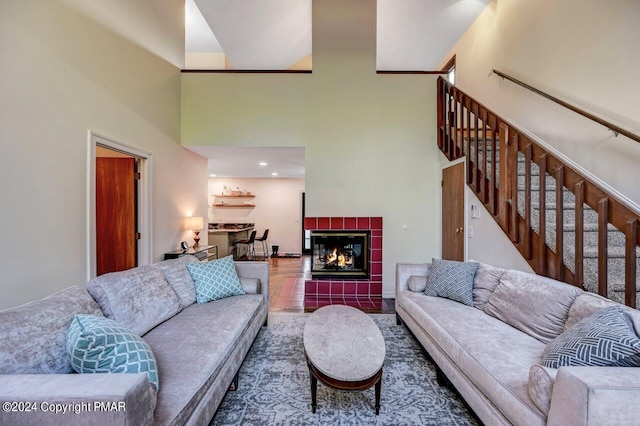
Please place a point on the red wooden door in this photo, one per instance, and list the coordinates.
(116, 242)
(453, 212)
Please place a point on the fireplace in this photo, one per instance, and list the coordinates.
(340, 254)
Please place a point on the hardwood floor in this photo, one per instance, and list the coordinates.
(286, 287)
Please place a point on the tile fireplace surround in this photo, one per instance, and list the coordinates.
(358, 293)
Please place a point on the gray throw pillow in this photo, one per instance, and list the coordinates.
(33, 336)
(452, 280)
(604, 339)
(138, 298)
(417, 283)
(176, 273)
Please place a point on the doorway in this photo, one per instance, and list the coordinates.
(453, 212)
(119, 207)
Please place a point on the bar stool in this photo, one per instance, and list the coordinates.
(263, 240)
(251, 253)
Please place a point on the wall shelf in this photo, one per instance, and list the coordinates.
(219, 205)
(236, 205)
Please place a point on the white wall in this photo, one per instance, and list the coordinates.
(370, 140)
(584, 52)
(278, 207)
(63, 73)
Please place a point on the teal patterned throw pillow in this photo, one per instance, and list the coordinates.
(215, 280)
(452, 280)
(101, 345)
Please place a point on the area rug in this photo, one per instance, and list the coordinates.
(274, 385)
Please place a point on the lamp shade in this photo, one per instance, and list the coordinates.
(195, 223)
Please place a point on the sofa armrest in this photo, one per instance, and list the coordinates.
(405, 270)
(76, 399)
(259, 270)
(595, 396)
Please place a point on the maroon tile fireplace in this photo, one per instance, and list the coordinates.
(358, 285)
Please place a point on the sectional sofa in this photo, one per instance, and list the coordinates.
(198, 348)
(499, 348)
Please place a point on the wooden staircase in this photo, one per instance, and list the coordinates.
(566, 226)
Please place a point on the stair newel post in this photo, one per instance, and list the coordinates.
(527, 202)
(441, 101)
(603, 246)
(448, 119)
(559, 222)
(542, 214)
(513, 192)
(630, 263)
(579, 231)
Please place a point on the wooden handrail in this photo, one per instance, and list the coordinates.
(615, 129)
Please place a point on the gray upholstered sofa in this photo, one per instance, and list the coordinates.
(198, 348)
(491, 352)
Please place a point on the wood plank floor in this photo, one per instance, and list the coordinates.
(286, 287)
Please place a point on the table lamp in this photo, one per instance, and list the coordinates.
(195, 223)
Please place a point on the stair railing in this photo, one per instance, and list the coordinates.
(500, 162)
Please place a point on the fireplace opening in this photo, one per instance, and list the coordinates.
(340, 254)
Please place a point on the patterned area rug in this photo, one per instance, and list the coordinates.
(274, 385)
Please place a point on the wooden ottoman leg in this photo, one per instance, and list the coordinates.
(314, 388)
(378, 392)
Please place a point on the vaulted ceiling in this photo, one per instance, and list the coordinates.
(277, 34)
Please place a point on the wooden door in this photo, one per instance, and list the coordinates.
(116, 241)
(453, 212)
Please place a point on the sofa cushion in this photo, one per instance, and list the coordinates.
(587, 304)
(541, 381)
(485, 282)
(250, 285)
(215, 280)
(417, 283)
(604, 339)
(492, 355)
(451, 280)
(97, 344)
(33, 336)
(176, 273)
(139, 298)
(537, 305)
(200, 355)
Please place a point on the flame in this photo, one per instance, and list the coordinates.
(335, 256)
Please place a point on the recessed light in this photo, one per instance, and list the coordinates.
(262, 163)
(212, 175)
(274, 174)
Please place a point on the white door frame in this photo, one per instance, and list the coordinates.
(145, 213)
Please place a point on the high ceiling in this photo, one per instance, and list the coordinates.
(276, 35)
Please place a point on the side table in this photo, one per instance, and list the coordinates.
(203, 253)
